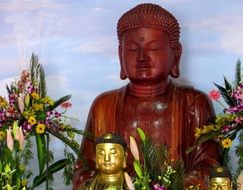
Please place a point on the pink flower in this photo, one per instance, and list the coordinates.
(66, 105)
(214, 94)
(10, 141)
(158, 187)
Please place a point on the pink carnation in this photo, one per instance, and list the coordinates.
(214, 94)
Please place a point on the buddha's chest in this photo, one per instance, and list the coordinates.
(149, 115)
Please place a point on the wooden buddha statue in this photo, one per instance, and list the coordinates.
(150, 51)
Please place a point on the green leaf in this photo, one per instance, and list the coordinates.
(225, 95)
(41, 151)
(137, 168)
(227, 85)
(238, 73)
(141, 134)
(202, 139)
(15, 129)
(55, 167)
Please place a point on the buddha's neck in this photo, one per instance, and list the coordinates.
(111, 178)
(152, 90)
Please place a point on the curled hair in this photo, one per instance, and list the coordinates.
(149, 15)
(112, 138)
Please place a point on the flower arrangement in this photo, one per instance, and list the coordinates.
(156, 169)
(228, 125)
(28, 114)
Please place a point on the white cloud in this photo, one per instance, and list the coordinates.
(3, 84)
(228, 30)
(28, 5)
(57, 86)
(103, 44)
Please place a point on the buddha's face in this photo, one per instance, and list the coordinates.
(110, 158)
(220, 183)
(146, 55)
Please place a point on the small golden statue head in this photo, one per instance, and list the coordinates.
(110, 153)
(220, 179)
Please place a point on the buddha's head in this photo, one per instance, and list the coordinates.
(110, 153)
(149, 47)
(220, 179)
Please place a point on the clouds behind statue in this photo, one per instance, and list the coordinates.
(149, 52)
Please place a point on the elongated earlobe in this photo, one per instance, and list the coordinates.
(123, 76)
(175, 72)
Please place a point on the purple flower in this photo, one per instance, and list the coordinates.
(226, 128)
(158, 187)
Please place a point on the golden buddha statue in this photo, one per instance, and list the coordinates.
(110, 159)
(149, 52)
(220, 179)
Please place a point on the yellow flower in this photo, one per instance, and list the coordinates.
(35, 95)
(207, 128)
(40, 128)
(32, 120)
(226, 143)
(48, 100)
(29, 113)
(198, 132)
(24, 182)
(3, 102)
(2, 135)
(51, 102)
(38, 107)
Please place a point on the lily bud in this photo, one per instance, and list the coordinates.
(21, 104)
(20, 138)
(134, 148)
(10, 141)
(27, 100)
(129, 181)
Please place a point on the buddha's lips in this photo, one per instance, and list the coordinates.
(144, 68)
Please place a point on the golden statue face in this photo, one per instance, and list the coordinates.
(220, 183)
(110, 158)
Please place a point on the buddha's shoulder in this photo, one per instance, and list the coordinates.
(109, 96)
(189, 91)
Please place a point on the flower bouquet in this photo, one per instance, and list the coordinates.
(28, 116)
(228, 125)
(156, 169)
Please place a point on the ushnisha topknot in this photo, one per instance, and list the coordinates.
(112, 138)
(149, 15)
(220, 172)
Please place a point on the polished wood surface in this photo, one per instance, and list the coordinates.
(167, 112)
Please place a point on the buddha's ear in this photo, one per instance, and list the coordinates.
(175, 71)
(125, 160)
(123, 76)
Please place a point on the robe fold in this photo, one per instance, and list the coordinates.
(187, 108)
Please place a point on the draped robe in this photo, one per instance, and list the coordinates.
(187, 108)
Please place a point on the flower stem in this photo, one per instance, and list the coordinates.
(47, 160)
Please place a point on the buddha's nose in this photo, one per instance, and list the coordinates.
(107, 157)
(142, 56)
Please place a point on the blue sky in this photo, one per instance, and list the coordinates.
(77, 44)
